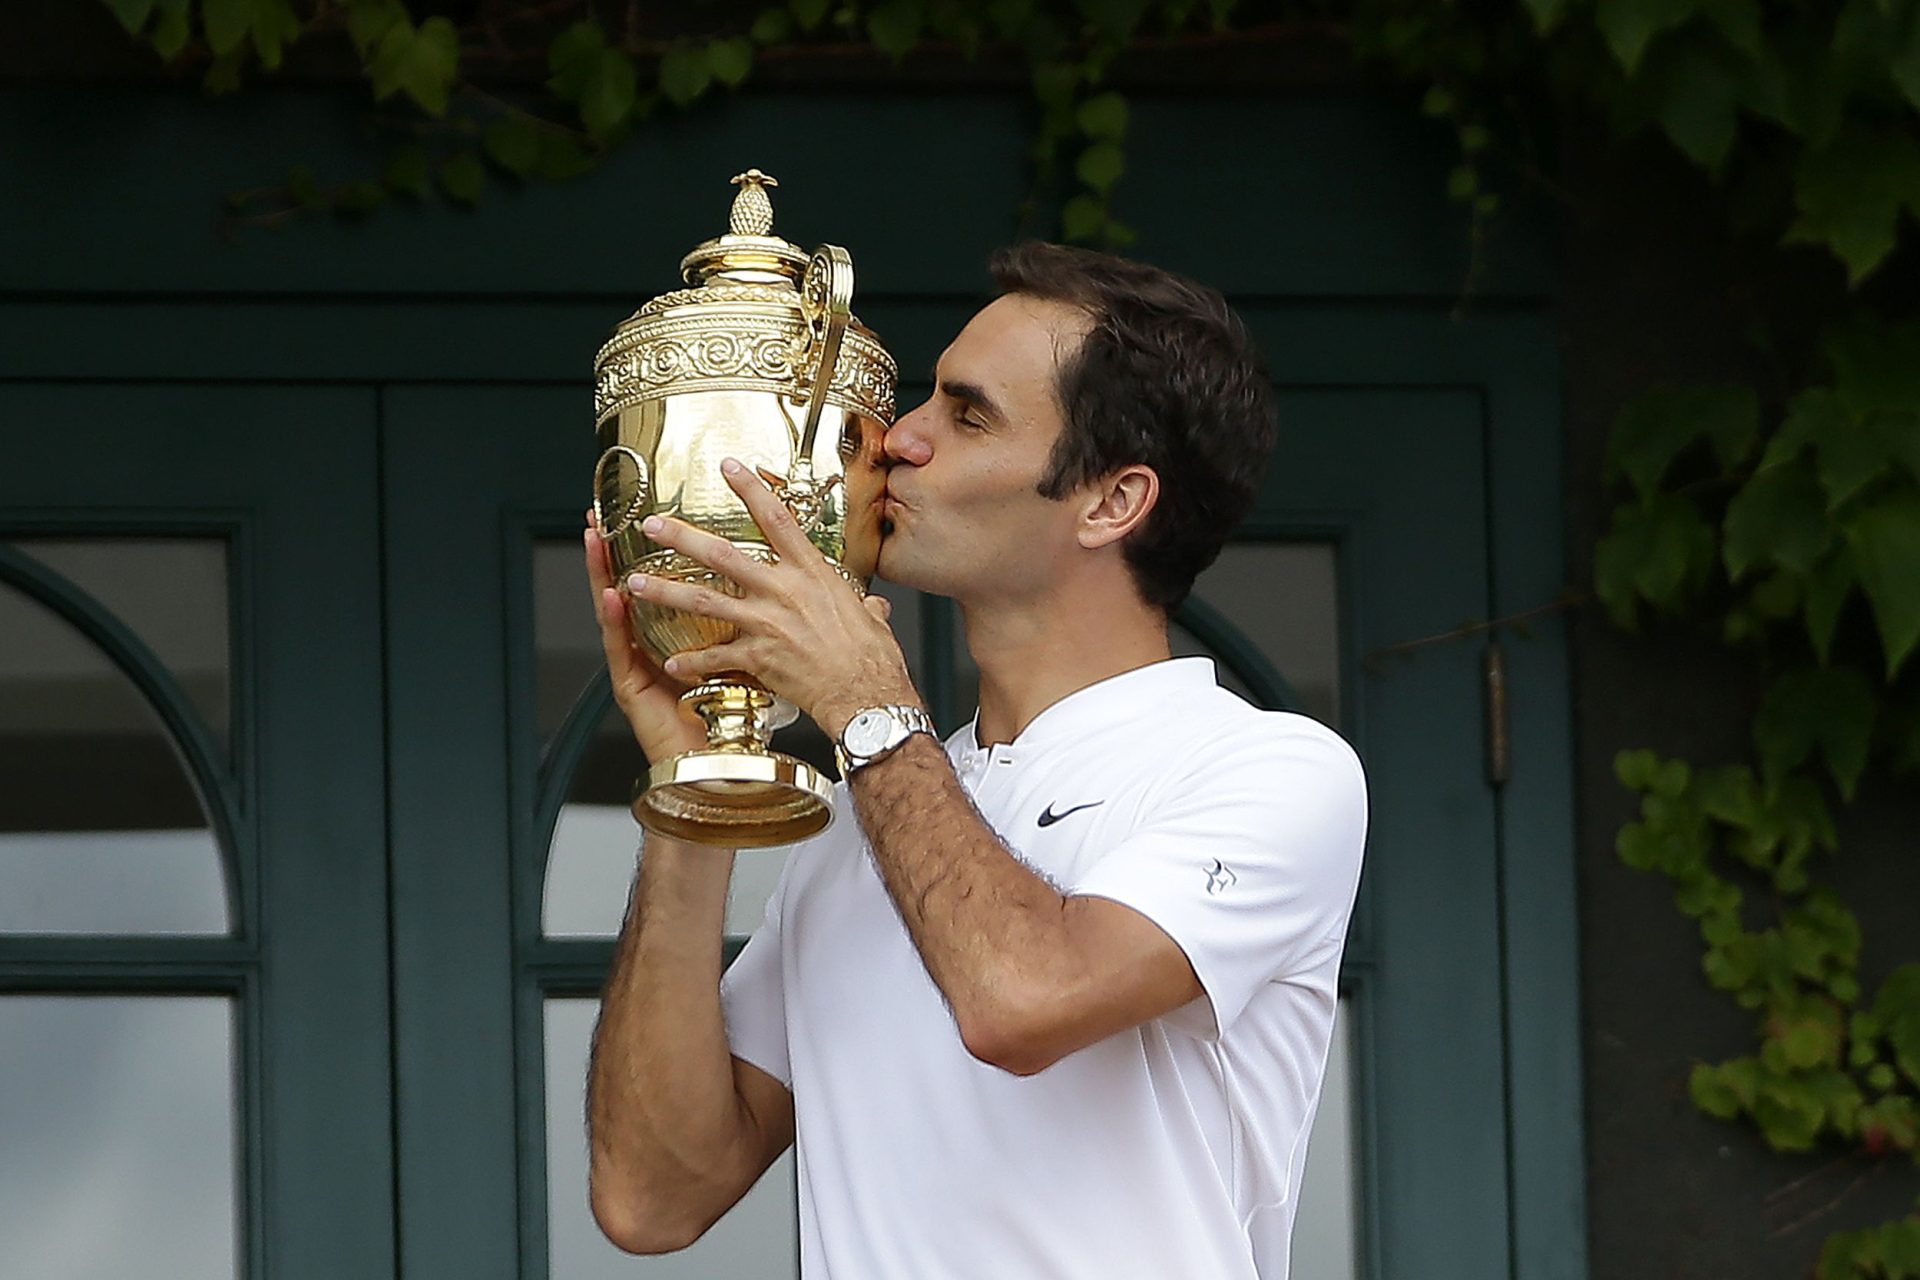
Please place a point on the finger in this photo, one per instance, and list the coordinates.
(688, 597)
(616, 642)
(708, 549)
(599, 568)
(698, 664)
(775, 518)
(880, 607)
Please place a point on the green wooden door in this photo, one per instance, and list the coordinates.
(277, 484)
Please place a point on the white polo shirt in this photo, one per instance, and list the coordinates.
(1172, 1151)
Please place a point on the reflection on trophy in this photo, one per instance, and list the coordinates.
(760, 358)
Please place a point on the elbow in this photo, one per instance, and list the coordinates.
(635, 1223)
(1016, 1042)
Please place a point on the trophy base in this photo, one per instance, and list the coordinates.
(735, 799)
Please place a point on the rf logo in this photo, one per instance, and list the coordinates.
(1220, 877)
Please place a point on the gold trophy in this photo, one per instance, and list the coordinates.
(760, 358)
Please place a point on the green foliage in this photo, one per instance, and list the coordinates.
(1772, 529)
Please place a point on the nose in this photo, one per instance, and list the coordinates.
(907, 441)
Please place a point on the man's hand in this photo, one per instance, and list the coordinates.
(648, 697)
(804, 632)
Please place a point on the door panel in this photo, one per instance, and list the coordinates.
(285, 477)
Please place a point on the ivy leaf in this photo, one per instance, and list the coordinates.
(1629, 25)
(1719, 1094)
(573, 56)
(173, 30)
(1104, 117)
(368, 20)
(1546, 14)
(226, 23)
(275, 27)
(1054, 84)
(1738, 21)
(1101, 165)
(1658, 551)
(730, 60)
(606, 99)
(406, 171)
(229, 23)
(1885, 539)
(1831, 708)
(773, 26)
(894, 27)
(684, 74)
(421, 62)
(1850, 193)
(513, 143)
(1827, 590)
(1876, 375)
(1896, 1009)
(133, 14)
(1082, 218)
(1009, 18)
(1699, 104)
(461, 177)
(1779, 518)
(1813, 1040)
(809, 13)
(1656, 426)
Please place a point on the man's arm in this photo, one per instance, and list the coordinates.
(1031, 974)
(679, 1129)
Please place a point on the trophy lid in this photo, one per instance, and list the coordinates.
(749, 252)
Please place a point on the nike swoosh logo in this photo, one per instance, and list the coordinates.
(1049, 817)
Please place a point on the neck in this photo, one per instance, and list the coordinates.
(1033, 653)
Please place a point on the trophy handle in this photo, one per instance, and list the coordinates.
(826, 299)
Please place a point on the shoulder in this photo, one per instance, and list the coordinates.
(1236, 738)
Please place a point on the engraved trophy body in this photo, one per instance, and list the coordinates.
(760, 358)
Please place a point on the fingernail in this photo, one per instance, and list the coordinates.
(730, 466)
(673, 666)
(636, 582)
(652, 525)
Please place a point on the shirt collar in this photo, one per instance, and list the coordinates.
(1101, 704)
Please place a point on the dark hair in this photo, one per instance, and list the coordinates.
(1166, 376)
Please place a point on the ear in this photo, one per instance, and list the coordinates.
(1116, 505)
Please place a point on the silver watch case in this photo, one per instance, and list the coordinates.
(875, 732)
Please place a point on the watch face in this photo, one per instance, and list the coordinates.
(867, 732)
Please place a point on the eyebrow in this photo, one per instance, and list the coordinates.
(973, 394)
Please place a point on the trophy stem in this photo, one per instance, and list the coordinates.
(738, 714)
(736, 793)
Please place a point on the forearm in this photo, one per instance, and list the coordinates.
(669, 1133)
(995, 937)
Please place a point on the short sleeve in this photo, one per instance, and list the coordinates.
(1249, 860)
(753, 999)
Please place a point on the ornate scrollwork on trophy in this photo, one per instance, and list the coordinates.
(754, 354)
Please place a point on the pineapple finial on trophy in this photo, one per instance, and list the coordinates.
(752, 213)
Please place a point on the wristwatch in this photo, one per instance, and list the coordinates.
(875, 732)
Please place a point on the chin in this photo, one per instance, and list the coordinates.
(897, 565)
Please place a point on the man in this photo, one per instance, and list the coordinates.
(1054, 1000)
